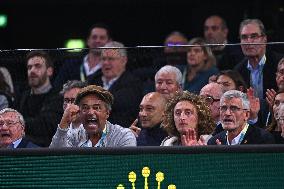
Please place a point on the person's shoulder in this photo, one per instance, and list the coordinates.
(220, 136)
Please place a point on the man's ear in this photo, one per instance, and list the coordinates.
(49, 71)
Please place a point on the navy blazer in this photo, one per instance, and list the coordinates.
(26, 143)
(254, 135)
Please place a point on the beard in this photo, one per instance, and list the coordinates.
(37, 81)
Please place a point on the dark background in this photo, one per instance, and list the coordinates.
(48, 24)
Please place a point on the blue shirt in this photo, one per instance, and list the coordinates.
(256, 77)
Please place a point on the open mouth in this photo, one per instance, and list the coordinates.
(5, 135)
(228, 121)
(92, 121)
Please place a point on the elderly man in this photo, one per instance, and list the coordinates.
(260, 65)
(234, 113)
(151, 114)
(70, 124)
(41, 105)
(125, 87)
(168, 81)
(12, 130)
(212, 93)
(94, 107)
(216, 32)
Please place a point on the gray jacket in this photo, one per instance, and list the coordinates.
(116, 136)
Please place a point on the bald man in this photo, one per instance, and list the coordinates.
(151, 112)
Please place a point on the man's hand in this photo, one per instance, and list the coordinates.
(254, 103)
(136, 130)
(270, 95)
(70, 114)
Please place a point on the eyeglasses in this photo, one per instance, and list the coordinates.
(69, 100)
(280, 72)
(109, 59)
(232, 109)
(8, 123)
(252, 36)
(209, 99)
(278, 102)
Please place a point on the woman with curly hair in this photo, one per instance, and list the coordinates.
(187, 120)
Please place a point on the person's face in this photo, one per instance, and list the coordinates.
(213, 101)
(196, 56)
(185, 116)
(113, 64)
(232, 115)
(280, 77)
(10, 128)
(38, 73)
(213, 31)
(69, 96)
(151, 111)
(166, 84)
(97, 38)
(226, 83)
(93, 113)
(251, 33)
(175, 40)
(278, 100)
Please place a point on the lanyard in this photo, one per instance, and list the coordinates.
(242, 134)
(82, 73)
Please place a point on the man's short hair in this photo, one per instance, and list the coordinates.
(120, 47)
(236, 94)
(100, 25)
(253, 21)
(223, 21)
(43, 54)
(100, 92)
(20, 116)
(71, 84)
(170, 69)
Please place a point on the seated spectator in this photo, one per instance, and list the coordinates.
(231, 80)
(276, 127)
(41, 105)
(216, 32)
(212, 94)
(200, 66)
(125, 87)
(94, 107)
(70, 123)
(99, 35)
(149, 132)
(12, 130)
(234, 114)
(187, 120)
(168, 81)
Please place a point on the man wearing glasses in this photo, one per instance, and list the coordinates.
(12, 130)
(234, 113)
(260, 64)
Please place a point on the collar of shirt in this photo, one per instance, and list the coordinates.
(42, 90)
(100, 143)
(238, 139)
(259, 66)
(108, 84)
(16, 143)
(89, 70)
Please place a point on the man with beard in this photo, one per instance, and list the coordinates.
(234, 113)
(99, 35)
(94, 107)
(41, 105)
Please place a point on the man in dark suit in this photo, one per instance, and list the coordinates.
(12, 130)
(234, 113)
(125, 87)
(260, 64)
